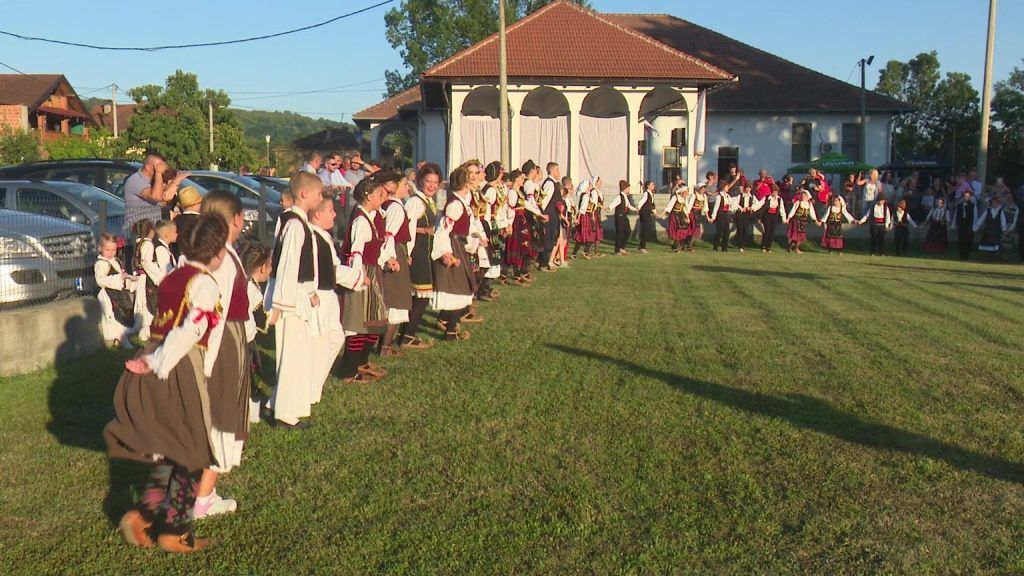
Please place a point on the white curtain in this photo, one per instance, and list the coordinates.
(604, 151)
(544, 140)
(481, 139)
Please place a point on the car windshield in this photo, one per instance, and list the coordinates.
(272, 194)
(93, 196)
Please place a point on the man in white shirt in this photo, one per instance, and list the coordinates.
(313, 162)
(335, 183)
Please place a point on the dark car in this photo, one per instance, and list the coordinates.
(279, 184)
(110, 175)
(78, 203)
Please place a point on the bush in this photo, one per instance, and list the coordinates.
(18, 146)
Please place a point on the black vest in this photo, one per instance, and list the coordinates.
(306, 273)
(965, 215)
(327, 277)
(556, 196)
(620, 210)
(648, 208)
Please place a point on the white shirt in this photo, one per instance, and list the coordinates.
(452, 213)
(201, 297)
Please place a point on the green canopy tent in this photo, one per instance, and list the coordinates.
(832, 163)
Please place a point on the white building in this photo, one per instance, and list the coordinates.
(617, 95)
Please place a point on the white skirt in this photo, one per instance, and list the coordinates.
(446, 301)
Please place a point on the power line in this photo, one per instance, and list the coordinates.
(311, 91)
(197, 45)
(32, 76)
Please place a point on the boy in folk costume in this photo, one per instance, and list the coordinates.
(936, 238)
(116, 301)
(227, 364)
(550, 197)
(881, 221)
(834, 217)
(586, 226)
(287, 213)
(678, 213)
(771, 209)
(364, 313)
(160, 404)
(294, 303)
(454, 283)
(744, 215)
(902, 223)
(621, 206)
(397, 281)
(800, 213)
(645, 208)
(256, 262)
(329, 337)
(721, 215)
(964, 218)
(422, 214)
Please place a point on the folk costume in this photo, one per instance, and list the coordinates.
(455, 285)
(621, 206)
(880, 218)
(586, 228)
(422, 213)
(963, 223)
(721, 215)
(364, 313)
(991, 223)
(521, 246)
(770, 210)
(397, 284)
(117, 304)
(800, 214)
(699, 208)
(834, 217)
(551, 199)
(328, 338)
(936, 238)
(902, 223)
(645, 209)
(153, 261)
(744, 217)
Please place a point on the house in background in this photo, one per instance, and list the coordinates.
(45, 104)
(618, 96)
(103, 116)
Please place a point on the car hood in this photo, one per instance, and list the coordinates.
(35, 225)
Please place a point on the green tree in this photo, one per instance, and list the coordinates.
(426, 32)
(1008, 123)
(173, 119)
(100, 144)
(18, 146)
(913, 82)
(953, 120)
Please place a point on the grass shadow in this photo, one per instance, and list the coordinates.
(1015, 289)
(813, 414)
(749, 272)
(977, 273)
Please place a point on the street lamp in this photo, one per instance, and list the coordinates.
(267, 137)
(864, 63)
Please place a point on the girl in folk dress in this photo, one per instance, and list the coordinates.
(115, 298)
(364, 313)
(799, 215)
(678, 213)
(698, 202)
(454, 283)
(153, 260)
(422, 213)
(397, 280)
(161, 402)
(937, 222)
(520, 246)
(586, 231)
(834, 218)
(992, 224)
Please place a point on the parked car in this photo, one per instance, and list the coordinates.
(279, 184)
(42, 258)
(78, 203)
(246, 188)
(110, 175)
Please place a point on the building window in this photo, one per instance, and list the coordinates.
(801, 142)
(727, 156)
(670, 157)
(851, 141)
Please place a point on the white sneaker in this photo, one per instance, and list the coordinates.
(254, 412)
(213, 505)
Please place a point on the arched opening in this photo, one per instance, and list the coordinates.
(395, 143)
(544, 128)
(604, 138)
(480, 127)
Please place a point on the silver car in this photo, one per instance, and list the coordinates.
(79, 203)
(42, 258)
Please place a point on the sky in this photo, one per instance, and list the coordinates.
(342, 64)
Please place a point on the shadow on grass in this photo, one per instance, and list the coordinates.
(81, 403)
(809, 413)
(748, 272)
(977, 273)
(1015, 289)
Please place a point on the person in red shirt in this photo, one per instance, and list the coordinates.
(763, 185)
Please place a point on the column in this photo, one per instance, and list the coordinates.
(636, 133)
(516, 97)
(375, 141)
(455, 129)
(575, 100)
(690, 98)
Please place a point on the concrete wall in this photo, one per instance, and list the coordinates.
(37, 336)
(432, 140)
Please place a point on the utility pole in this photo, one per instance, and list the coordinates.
(211, 130)
(864, 63)
(986, 96)
(113, 106)
(506, 143)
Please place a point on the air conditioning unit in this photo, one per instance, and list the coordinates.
(827, 147)
(107, 108)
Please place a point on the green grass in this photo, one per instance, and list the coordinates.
(701, 413)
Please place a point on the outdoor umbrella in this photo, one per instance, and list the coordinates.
(832, 163)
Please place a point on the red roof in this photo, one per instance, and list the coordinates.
(61, 112)
(565, 40)
(389, 108)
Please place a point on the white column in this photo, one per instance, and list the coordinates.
(690, 98)
(375, 141)
(515, 103)
(455, 129)
(575, 100)
(636, 133)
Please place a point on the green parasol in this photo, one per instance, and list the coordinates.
(832, 163)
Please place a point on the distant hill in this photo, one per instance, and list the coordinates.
(283, 127)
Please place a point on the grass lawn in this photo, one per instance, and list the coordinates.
(668, 413)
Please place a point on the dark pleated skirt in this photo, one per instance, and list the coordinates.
(228, 385)
(364, 312)
(459, 279)
(398, 285)
(421, 273)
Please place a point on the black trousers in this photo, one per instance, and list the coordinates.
(419, 307)
(721, 233)
(621, 232)
(902, 240)
(965, 237)
(551, 230)
(877, 239)
(743, 228)
(646, 228)
(767, 238)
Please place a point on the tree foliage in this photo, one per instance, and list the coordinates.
(1008, 116)
(283, 127)
(173, 119)
(100, 144)
(946, 119)
(426, 32)
(17, 146)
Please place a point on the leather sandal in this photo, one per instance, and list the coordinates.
(183, 543)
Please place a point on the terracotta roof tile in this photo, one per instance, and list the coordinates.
(27, 89)
(565, 40)
(767, 83)
(389, 108)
